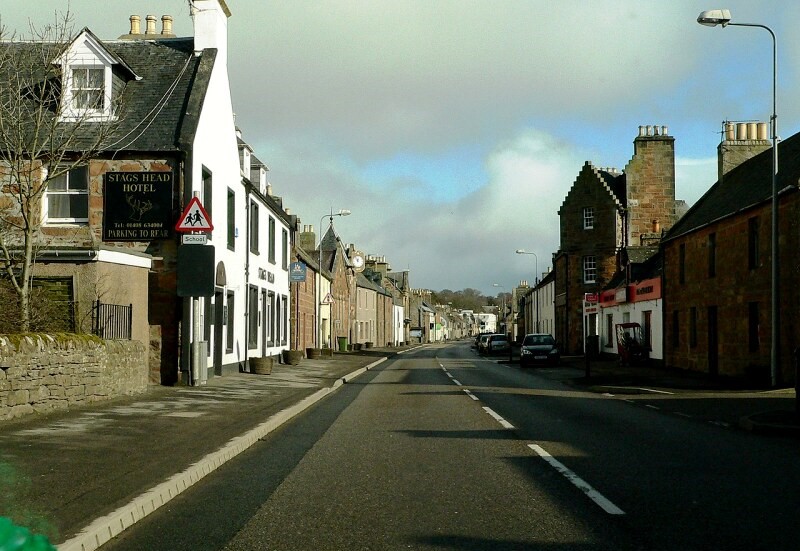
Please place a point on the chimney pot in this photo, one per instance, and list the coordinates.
(166, 24)
(151, 25)
(741, 131)
(730, 131)
(135, 24)
(762, 131)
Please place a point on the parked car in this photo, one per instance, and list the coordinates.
(481, 342)
(478, 338)
(497, 344)
(539, 348)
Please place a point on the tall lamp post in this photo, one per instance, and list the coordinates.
(342, 212)
(712, 18)
(535, 282)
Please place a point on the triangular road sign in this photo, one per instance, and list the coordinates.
(194, 218)
(328, 299)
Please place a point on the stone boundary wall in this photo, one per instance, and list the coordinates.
(41, 373)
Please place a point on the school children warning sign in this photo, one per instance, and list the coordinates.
(194, 218)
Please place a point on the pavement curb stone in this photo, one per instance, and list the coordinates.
(109, 526)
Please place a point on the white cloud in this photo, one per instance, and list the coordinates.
(335, 94)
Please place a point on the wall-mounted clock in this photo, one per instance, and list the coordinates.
(358, 261)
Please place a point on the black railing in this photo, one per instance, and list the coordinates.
(112, 321)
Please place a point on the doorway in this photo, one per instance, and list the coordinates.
(218, 323)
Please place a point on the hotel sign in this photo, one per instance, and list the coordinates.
(137, 206)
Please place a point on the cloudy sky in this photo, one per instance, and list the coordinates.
(453, 129)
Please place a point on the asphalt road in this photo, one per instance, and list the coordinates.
(441, 449)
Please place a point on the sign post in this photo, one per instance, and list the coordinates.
(196, 219)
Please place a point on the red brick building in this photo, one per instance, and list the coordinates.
(303, 318)
(605, 212)
(717, 269)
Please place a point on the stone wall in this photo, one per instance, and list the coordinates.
(43, 373)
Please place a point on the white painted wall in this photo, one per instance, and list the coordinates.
(215, 149)
(398, 315)
(633, 312)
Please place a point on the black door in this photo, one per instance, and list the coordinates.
(218, 321)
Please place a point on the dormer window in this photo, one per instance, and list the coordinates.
(92, 78)
(86, 93)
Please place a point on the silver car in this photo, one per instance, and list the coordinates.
(497, 344)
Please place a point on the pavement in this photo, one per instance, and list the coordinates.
(82, 476)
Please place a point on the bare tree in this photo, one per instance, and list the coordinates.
(39, 145)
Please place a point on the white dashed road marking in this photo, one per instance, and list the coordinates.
(497, 418)
(584, 486)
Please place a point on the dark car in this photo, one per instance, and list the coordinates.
(497, 344)
(539, 348)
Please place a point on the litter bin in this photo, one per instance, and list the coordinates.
(593, 346)
(342, 344)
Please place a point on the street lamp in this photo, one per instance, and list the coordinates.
(535, 281)
(712, 18)
(341, 212)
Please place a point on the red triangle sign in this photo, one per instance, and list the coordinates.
(194, 218)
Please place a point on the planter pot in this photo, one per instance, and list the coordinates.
(292, 357)
(327, 352)
(261, 366)
(356, 346)
(313, 353)
(368, 344)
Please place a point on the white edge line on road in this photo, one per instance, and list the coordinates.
(103, 529)
(581, 484)
(651, 406)
(456, 381)
(497, 418)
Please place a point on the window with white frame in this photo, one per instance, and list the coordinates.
(66, 199)
(589, 269)
(588, 218)
(87, 93)
(88, 87)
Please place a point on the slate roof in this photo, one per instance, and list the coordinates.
(365, 283)
(160, 110)
(644, 262)
(616, 183)
(162, 64)
(331, 246)
(742, 188)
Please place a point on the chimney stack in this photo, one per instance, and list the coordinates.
(650, 181)
(741, 141)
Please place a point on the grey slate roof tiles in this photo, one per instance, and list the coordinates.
(744, 187)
